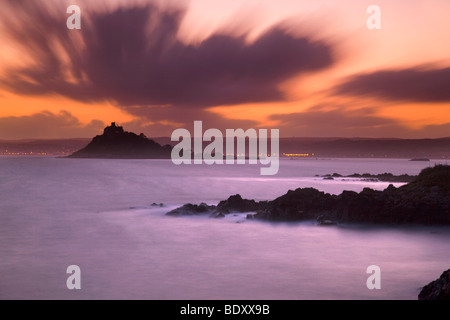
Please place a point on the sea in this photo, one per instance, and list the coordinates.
(108, 217)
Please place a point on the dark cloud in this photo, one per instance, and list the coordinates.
(342, 122)
(132, 56)
(46, 124)
(414, 84)
(176, 117)
(320, 122)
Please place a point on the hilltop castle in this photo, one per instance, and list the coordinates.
(113, 130)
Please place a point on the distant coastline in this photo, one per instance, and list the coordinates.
(314, 148)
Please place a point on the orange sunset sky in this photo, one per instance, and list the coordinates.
(308, 68)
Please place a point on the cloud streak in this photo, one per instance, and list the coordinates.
(413, 84)
(341, 122)
(132, 56)
(44, 125)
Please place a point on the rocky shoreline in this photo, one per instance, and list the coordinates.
(385, 177)
(438, 289)
(424, 200)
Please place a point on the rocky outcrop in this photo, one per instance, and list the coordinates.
(299, 204)
(425, 200)
(386, 177)
(192, 209)
(237, 204)
(438, 289)
(234, 203)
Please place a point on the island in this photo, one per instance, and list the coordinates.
(425, 201)
(115, 143)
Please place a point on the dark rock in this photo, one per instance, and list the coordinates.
(232, 204)
(390, 188)
(370, 179)
(300, 204)
(438, 289)
(237, 204)
(157, 205)
(426, 200)
(386, 177)
(192, 209)
(438, 175)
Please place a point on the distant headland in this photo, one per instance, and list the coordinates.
(115, 143)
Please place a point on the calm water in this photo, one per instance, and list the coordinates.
(97, 214)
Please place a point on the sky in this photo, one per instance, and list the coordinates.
(307, 68)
